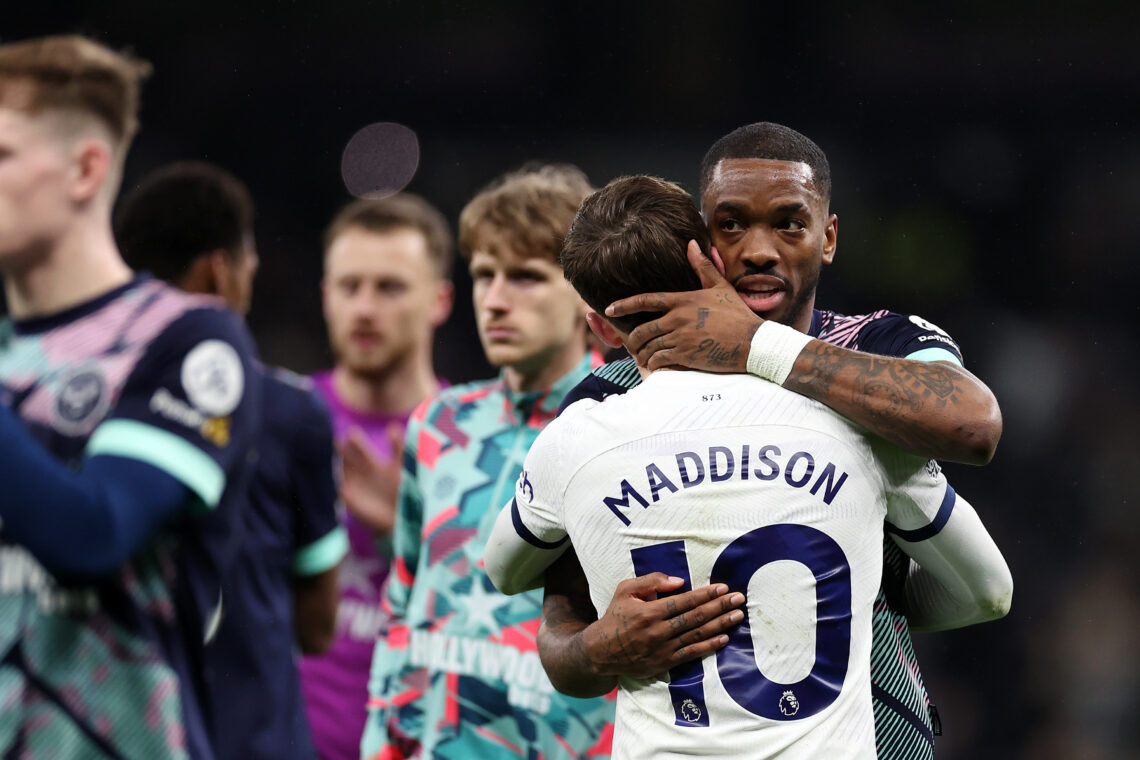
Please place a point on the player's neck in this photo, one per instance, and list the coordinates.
(80, 265)
(541, 373)
(397, 391)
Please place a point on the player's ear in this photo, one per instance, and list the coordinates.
(605, 331)
(830, 239)
(444, 300)
(90, 168)
(220, 267)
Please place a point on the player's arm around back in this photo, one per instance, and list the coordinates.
(961, 577)
(933, 409)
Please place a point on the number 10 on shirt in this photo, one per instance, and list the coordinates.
(736, 663)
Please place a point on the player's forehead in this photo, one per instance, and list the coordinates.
(501, 253)
(17, 124)
(360, 252)
(759, 182)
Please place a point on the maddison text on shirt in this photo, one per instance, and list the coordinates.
(686, 469)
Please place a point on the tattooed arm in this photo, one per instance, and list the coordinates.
(639, 636)
(934, 409)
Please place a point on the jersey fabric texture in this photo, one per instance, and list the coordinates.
(114, 667)
(731, 479)
(903, 725)
(291, 530)
(336, 683)
(456, 673)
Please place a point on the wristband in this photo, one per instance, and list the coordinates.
(774, 351)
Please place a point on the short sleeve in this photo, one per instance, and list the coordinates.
(919, 498)
(909, 337)
(192, 405)
(537, 508)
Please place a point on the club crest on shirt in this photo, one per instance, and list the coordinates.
(83, 400)
(789, 705)
(525, 488)
(213, 378)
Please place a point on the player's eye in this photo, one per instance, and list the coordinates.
(392, 287)
(526, 276)
(793, 224)
(729, 225)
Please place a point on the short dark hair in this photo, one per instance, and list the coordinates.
(395, 212)
(180, 212)
(530, 209)
(766, 139)
(629, 238)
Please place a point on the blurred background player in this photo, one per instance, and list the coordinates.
(129, 411)
(765, 194)
(191, 224)
(643, 455)
(456, 672)
(386, 289)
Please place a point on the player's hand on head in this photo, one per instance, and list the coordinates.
(709, 329)
(370, 484)
(643, 636)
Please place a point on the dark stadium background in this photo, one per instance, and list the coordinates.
(985, 159)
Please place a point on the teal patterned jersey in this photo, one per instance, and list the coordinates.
(456, 674)
(905, 720)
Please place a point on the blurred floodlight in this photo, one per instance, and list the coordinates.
(380, 160)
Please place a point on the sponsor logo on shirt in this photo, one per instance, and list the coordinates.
(216, 430)
(213, 378)
(527, 684)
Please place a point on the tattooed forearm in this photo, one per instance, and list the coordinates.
(928, 408)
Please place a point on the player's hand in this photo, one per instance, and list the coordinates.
(709, 329)
(642, 636)
(370, 483)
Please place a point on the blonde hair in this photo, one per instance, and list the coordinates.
(73, 74)
(529, 209)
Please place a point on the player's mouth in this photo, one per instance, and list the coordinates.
(499, 332)
(762, 292)
(366, 340)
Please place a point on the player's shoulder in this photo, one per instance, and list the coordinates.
(611, 379)
(884, 332)
(188, 319)
(457, 396)
(291, 398)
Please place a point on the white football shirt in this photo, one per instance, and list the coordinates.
(729, 478)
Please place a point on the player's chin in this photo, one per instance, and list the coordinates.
(367, 362)
(501, 354)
